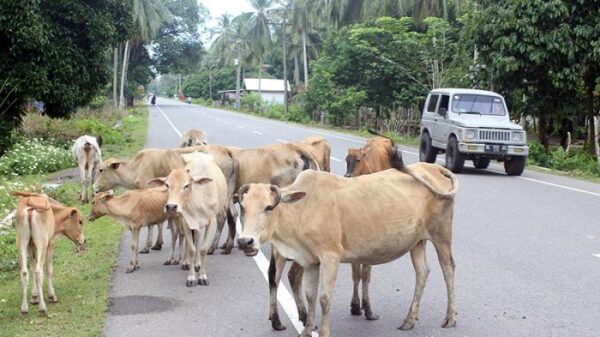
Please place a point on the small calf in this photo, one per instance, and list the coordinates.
(193, 137)
(87, 155)
(40, 221)
(134, 209)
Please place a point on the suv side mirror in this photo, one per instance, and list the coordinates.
(442, 111)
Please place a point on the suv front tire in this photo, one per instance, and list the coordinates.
(515, 165)
(455, 160)
(427, 152)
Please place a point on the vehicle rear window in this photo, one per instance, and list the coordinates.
(432, 103)
(482, 104)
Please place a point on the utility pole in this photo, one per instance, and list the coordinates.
(285, 88)
(238, 63)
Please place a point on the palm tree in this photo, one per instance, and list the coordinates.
(148, 16)
(259, 34)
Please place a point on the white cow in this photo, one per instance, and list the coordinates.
(87, 155)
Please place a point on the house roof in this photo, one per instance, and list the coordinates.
(265, 84)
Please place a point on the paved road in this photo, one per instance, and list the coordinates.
(527, 251)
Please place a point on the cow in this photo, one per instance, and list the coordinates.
(88, 156)
(322, 150)
(198, 193)
(39, 222)
(322, 220)
(134, 209)
(193, 137)
(153, 163)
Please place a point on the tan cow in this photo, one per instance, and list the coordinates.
(322, 150)
(88, 156)
(324, 220)
(39, 222)
(193, 137)
(198, 193)
(134, 209)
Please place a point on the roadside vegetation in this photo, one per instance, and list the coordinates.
(82, 280)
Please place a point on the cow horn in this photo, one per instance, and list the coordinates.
(277, 192)
(240, 194)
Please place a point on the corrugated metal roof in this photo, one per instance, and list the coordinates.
(265, 84)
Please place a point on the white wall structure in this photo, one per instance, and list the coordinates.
(272, 90)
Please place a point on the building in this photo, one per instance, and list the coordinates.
(272, 90)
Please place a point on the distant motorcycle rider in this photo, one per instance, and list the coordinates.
(153, 100)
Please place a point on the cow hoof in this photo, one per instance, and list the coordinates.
(34, 300)
(302, 316)
(211, 251)
(53, 299)
(371, 316)
(197, 269)
(43, 313)
(167, 263)
(24, 312)
(144, 251)
(189, 283)
(449, 323)
(157, 247)
(84, 201)
(227, 251)
(276, 323)
(185, 267)
(131, 269)
(203, 282)
(408, 325)
(355, 309)
(175, 262)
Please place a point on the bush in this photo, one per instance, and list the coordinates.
(274, 111)
(94, 127)
(34, 156)
(251, 102)
(98, 102)
(297, 114)
(577, 160)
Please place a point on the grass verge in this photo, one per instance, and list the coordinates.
(81, 281)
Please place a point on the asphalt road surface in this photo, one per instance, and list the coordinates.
(527, 252)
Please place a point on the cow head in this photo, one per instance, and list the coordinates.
(99, 206)
(109, 175)
(72, 226)
(180, 185)
(257, 203)
(355, 164)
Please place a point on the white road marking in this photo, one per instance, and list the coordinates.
(227, 123)
(218, 119)
(591, 237)
(596, 255)
(282, 140)
(284, 297)
(560, 186)
(169, 121)
(335, 159)
(258, 132)
(240, 127)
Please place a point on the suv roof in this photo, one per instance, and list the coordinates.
(452, 91)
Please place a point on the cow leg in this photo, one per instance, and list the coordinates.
(84, 184)
(419, 262)
(135, 237)
(209, 235)
(159, 238)
(215, 243)
(35, 296)
(366, 301)
(22, 249)
(40, 256)
(50, 273)
(444, 252)
(149, 237)
(231, 216)
(355, 308)
(174, 234)
(276, 266)
(181, 243)
(328, 274)
(295, 276)
(311, 283)
(191, 254)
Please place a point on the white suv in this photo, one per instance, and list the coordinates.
(470, 124)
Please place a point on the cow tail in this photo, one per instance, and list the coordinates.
(446, 173)
(375, 133)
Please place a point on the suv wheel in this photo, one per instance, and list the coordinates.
(481, 163)
(427, 152)
(455, 160)
(515, 165)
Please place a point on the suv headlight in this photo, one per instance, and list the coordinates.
(470, 134)
(518, 137)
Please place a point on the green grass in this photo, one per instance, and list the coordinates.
(82, 280)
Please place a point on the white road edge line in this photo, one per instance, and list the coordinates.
(282, 140)
(284, 296)
(240, 127)
(169, 121)
(258, 132)
(596, 255)
(335, 159)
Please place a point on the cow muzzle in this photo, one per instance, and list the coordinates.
(247, 245)
(171, 208)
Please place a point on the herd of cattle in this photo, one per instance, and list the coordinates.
(286, 196)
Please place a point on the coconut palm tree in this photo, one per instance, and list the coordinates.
(258, 34)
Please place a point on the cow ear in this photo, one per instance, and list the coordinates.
(107, 197)
(73, 212)
(115, 166)
(157, 182)
(236, 198)
(201, 181)
(292, 197)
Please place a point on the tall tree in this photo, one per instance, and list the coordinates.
(258, 34)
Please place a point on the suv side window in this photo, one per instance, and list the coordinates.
(433, 99)
(444, 102)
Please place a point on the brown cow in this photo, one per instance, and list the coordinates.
(370, 219)
(40, 221)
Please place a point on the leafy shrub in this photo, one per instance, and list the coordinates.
(34, 156)
(251, 102)
(297, 114)
(274, 111)
(202, 101)
(98, 102)
(577, 160)
(538, 155)
(93, 126)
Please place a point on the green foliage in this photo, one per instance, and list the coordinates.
(34, 156)
(93, 126)
(251, 102)
(576, 161)
(56, 51)
(274, 111)
(198, 84)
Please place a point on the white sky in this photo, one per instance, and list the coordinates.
(233, 7)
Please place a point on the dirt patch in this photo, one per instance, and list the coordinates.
(68, 175)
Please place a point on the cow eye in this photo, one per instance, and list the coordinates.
(101, 170)
(166, 185)
(186, 186)
(269, 208)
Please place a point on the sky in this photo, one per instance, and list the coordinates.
(233, 7)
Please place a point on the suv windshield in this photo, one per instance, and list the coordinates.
(478, 104)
